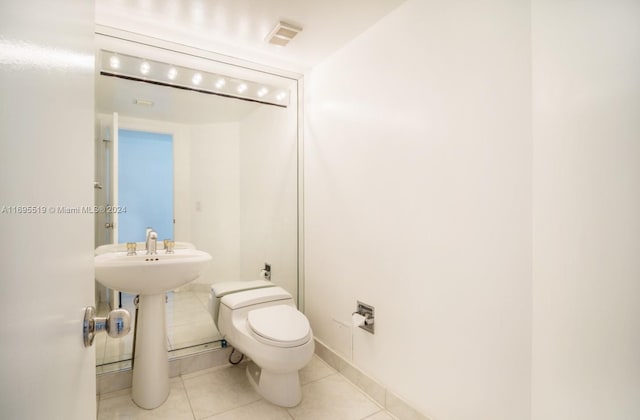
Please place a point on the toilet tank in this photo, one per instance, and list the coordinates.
(255, 297)
(220, 290)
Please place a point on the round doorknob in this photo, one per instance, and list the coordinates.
(116, 324)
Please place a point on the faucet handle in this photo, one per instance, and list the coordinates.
(169, 246)
(131, 248)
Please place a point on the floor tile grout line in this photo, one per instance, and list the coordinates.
(318, 379)
(186, 392)
(209, 370)
(373, 414)
(369, 397)
(230, 409)
(242, 405)
(289, 413)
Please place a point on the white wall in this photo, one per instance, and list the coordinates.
(418, 201)
(586, 278)
(215, 207)
(244, 193)
(269, 194)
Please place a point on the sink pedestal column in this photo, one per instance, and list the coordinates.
(150, 384)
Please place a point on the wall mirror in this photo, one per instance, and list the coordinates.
(227, 172)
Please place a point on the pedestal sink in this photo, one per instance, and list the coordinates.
(150, 276)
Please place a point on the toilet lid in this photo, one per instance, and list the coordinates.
(279, 325)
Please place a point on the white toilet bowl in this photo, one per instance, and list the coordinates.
(260, 320)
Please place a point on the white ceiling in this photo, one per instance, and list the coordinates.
(238, 27)
(231, 27)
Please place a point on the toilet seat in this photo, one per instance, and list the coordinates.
(279, 326)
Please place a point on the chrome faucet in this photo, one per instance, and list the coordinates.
(151, 242)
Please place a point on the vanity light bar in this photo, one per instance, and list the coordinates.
(150, 71)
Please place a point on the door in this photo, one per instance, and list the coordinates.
(46, 178)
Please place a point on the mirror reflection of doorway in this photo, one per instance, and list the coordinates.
(145, 185)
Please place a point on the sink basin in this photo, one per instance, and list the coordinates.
(149, 274)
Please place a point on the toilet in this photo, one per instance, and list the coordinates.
(261, 320)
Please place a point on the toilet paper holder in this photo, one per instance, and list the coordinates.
(366, 311)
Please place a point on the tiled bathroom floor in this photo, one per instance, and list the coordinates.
(224, 393)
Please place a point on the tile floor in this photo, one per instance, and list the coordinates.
(224, 393)
(188, 324)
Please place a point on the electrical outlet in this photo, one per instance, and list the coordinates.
(267, 271)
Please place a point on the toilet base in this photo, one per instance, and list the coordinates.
(281, 389)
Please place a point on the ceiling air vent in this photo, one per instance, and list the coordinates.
(282, 34)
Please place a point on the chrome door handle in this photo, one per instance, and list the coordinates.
(117, 324)
(108, 225)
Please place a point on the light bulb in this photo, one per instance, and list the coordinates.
(145, 68)
(114, 62)
(242, 88)
(196, 79)
(172, 74)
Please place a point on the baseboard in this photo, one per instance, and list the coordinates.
(178, 365)
(387, 399)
